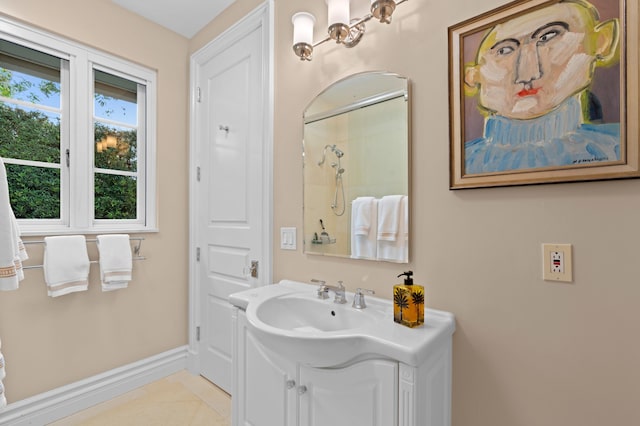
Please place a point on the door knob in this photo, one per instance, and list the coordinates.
(302, 390)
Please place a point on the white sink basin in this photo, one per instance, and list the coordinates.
(288, 316)
(297, 313)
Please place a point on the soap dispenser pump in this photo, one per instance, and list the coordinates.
(408, 302)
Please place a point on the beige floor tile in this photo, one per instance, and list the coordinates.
(181, 399)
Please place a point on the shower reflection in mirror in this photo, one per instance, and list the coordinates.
(337, 206)
(356, 146)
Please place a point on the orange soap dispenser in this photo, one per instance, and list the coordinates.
(408, 302)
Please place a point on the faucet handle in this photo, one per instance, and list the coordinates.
(323, 290)
(358, 298)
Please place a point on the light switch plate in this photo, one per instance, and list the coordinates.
(288, 238)
(557, 262)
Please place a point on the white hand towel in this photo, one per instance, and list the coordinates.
(3, 399)
(364, 220)
(397, 250)
(116, 261)
(389, 217)
(362, 214)
(2, 370)
(66, 264)
(12, 251)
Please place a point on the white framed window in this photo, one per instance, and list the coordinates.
(77, 135)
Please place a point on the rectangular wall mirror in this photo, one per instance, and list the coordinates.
(356, 169)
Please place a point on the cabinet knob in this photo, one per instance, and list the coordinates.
(291, 384)
(302, 389)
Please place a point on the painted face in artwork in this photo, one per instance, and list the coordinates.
(530, 64)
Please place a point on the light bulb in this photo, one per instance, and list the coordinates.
(338, 12)
(303, 34)
(303, 27)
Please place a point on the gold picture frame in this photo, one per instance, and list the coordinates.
(544, 91)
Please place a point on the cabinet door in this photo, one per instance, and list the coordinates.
(365, 393)
(261, 395)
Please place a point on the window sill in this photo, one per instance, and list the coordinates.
(33, 231)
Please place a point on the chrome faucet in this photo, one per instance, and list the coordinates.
(323, 291)
(358, 298)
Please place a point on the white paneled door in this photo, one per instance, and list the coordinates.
(231, 208)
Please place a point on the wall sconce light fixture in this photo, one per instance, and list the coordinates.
(341, 28)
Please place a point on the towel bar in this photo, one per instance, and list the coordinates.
(136, 250)
(91, 261)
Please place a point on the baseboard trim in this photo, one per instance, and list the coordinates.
(61, 402)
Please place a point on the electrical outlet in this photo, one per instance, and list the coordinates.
(556, 262)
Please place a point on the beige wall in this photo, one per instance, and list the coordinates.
(526, 352)
(52, 342)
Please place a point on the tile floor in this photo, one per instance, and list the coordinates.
(181, 399)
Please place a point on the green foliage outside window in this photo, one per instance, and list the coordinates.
(115, 196)
(35, 191)
(29, 135)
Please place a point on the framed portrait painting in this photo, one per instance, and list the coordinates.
(545, 91)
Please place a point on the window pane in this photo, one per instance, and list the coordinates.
(115, 98)
(116, 148)
(30, 116)
(34, 191)
(115, 196)
(28, 75)
(29, 134)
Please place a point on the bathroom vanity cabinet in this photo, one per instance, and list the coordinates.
(271, 389)
(303, 360)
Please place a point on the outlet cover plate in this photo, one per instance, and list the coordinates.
(557, 262)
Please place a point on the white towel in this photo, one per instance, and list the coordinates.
(66, 264)
(116, 261)
(363, 215)
(364, 225)
(396, 249)
(3, 399)
(389, 217)
(2, 370)
(2, 366)
(12, 251)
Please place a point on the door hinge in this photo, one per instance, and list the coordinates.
(198, 333)
(68, 157)
(198, 173)
(198, 95)
(198, 254)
